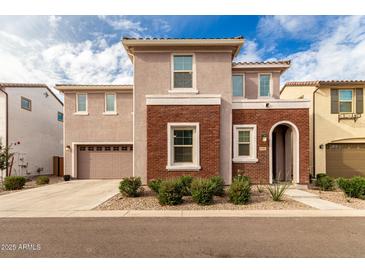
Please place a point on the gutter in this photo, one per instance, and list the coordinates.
(7, 123)
(313, 132)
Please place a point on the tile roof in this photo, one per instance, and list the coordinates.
(326, 83)
(186, 38)
(86, 85)
(279, 62)
(73, 87)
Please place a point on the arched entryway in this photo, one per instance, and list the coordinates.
(284, 153)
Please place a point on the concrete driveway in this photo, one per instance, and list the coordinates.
(65, 196)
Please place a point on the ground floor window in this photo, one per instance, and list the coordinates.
(183, 146)
(244, 141)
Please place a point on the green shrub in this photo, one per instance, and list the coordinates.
(277, 191)
(260, 189)
(131, 186)
(171, 192)
(218, 183)
(320, 175)
(42, 180)
(354, 187)
(66, 177)
(154, 185)
(202, 191)
(186, 182)
(325, 182)
(239, 191)
(14, 182)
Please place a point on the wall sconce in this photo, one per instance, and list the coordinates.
(267, 105)
(68, 148)
(321, 146)
(264, 137)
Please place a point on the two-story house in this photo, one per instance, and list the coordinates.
(337, 125)
(192, 111)
(31, 124)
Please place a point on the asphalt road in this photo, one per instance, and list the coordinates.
(182, 237)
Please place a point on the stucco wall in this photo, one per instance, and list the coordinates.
(38, 132)
(96, 127)
(2, 118)
(152, 75)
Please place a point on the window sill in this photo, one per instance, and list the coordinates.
(183, 167)
(81, 113)
(184, 90)
(245, 160)
(110, 113)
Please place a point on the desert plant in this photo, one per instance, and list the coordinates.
(242, 178)
(5, 158)
(131, 186)
(325, 182)
(14, 182)
(354, 187)
(277, 191)
(66, 177)
(154, 185)
(186, 183)
(170, 192)
(239, 191)
(260, 189)
(42, 180)
(218, 183)
(202, 191)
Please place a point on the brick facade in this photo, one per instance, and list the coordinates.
(208, 118)
(265, 119)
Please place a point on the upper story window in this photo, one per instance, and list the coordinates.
(183, 72)
(345, 100)
(110, 103)
(81, 102)
(238, 85)
(264, 85)
(26, 103)
(59, 116)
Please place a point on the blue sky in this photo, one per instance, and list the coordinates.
(87, 49)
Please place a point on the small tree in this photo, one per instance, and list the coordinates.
(5, 156)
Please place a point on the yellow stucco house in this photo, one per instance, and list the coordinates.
(337, 125)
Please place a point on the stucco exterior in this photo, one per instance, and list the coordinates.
(327, 126)
(34, 136)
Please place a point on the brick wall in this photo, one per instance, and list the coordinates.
(265, 119)
(208, 118)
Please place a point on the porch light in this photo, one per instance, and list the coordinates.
(264, 137)
(68, 148)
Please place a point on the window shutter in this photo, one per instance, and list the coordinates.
(359, 100)
(334, 101)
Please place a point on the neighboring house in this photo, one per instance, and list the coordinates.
(337, 143)
(31, 122)
(190, 111)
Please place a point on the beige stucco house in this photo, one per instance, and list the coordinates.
(337, 125)
(31, 123)
(192, 111)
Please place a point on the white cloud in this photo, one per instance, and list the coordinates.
(54, 21)
(249, 52)
(338, 55)
(124, 24)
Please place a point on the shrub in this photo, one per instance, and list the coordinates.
(218, 183)
(260, 189)
(131, 186)
(154, 185)
(354, 187)
(202, 191)
(277, 191)
(14, 182)
(240, 190)
(320, 175)
(186, 182)
(66, 177)
(242, 178)
(42, 180)
(171, 192)
(325, 182)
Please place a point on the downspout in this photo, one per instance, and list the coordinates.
(313, 132)
(6, 123)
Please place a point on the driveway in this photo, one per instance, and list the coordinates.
(65, 196)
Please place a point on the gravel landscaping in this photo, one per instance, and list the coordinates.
(149, 202)
(32, 184)
(339, 197)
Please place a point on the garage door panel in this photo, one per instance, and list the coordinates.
(104, 162)
(345, 160)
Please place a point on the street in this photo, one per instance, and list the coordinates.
(182, 237)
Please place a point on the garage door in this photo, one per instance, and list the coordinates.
(104, 162)
(345, 160)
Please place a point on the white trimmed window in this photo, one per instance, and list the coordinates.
(110, 103)
(245, 140)
(345, 100)
(265, 86)
(81, 103)
(26, 103)
(183, 73)
(238, 84)
(183, 146)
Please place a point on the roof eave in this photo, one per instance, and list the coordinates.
(66, 88)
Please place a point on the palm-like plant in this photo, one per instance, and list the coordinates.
(277, 191)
